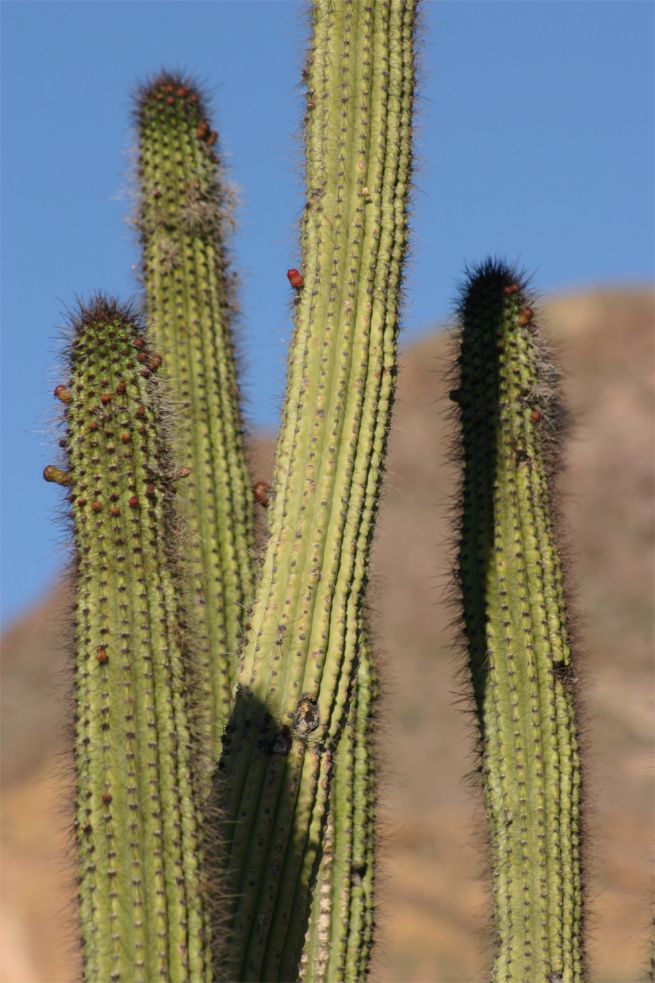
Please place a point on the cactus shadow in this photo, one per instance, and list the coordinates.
(479, 368)
(259, 888)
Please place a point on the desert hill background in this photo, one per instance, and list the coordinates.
(432, 925)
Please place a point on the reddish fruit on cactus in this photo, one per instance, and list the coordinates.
(102, 656)
(261, 491)
(62, 393)
(212, 138)
(56, 475)
(295, 279)
(202, 130)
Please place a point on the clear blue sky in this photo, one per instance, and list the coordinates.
(535, 141)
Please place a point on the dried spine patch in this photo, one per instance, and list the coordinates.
(183, 215)
(517, 633)
(138, 826)
(328, 470)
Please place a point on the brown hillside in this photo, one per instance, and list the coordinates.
(432, 924)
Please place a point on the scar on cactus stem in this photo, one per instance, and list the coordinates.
(517, 631)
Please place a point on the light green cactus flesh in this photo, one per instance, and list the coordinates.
(340, 935)
(297, 671)
(516, 628)
(190, 304)
(138, 828)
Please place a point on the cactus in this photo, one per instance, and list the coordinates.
(298, 664)
(340, 934)
(190, 304)
(294, 784)
(138, 822)
(517, 632)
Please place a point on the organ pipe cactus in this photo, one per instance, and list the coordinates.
(190, 306)
(290, 815)
(298, 665)
(138, 823)
(517, 632)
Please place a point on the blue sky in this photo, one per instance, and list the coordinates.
(534, 141)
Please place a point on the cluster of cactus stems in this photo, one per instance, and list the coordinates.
(517, 632)
(225, 707)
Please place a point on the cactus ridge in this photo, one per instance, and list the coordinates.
(138, 824)
(183, 219)
(517, 632)
(327, 473)
(340, 934)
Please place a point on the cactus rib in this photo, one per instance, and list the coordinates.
(340, 934)
(517, 632)
(138, 826)
(327, 474)
(184, 211)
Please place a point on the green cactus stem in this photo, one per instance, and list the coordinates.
(190, 303)
(340, 934)
(138, 823)
(517, 632)
(300, 658)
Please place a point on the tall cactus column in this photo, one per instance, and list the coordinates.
(138, 826)
(190, 304)
(518, 638)
(298, 666)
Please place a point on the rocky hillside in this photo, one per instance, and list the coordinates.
(432, 925)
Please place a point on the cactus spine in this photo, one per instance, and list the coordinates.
(298, 666)
(190, 310)
(137, 826)
(518, 639)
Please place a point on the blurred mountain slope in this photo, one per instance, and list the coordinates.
(432, 924)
